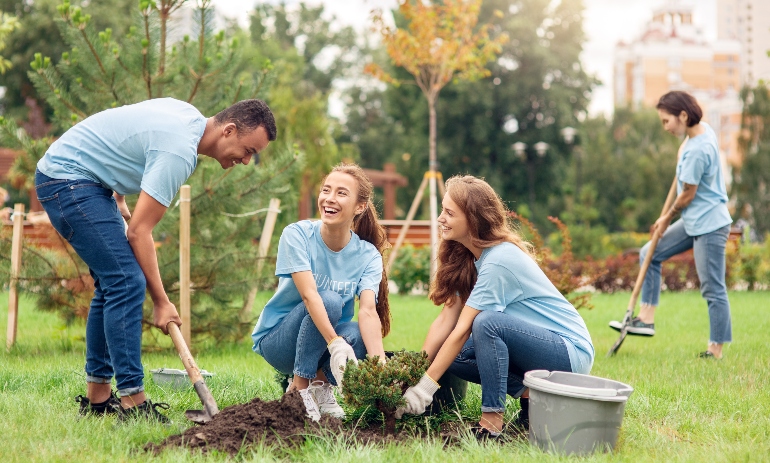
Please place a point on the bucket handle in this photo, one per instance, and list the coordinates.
(534, 380)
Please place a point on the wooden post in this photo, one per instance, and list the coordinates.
(267, 231)
(184, 261)
(273, 210)
(408, 221)
(13, 295)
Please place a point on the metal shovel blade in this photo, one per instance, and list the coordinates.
(198, 416)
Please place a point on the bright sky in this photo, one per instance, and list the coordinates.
(605, 22)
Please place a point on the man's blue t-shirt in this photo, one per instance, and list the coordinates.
(699, 165)
(150, 146)
(349, 272)
(509, 281)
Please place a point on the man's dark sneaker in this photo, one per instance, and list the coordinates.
(110, 406)
(146, 410)
(636, 326)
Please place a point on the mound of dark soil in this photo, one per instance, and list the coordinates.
(281, 422)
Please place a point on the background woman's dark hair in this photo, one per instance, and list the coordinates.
(248, 115)
(675, 102)
(368, 228)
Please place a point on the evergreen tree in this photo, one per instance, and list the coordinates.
(381, 385)
(38, 33)
(205, 69)
(309, 55)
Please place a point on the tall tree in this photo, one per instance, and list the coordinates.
(100, 71)
(752, 179)
(537, 86)
(309, 55)
(439, 43)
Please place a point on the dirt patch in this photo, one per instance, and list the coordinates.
(280, 422)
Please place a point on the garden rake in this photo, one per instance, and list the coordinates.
(642, 272)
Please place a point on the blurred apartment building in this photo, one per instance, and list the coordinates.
(748, 22)
(673, 53)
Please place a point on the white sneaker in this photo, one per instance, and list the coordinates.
(310, 406)
(323, 393)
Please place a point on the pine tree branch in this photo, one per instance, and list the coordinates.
(93, 50)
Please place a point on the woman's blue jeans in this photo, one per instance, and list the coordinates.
(500, 350)
(709, 254)
(295, 346)
(87, 216)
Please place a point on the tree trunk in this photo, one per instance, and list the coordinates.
(432, 167)
(390, 418)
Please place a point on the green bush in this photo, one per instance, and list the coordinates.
(411, 268)
(754, 264)
(373, 384)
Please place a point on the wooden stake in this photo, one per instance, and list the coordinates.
(184, 261)
(13, 295)
(408, 221)
(264, 246)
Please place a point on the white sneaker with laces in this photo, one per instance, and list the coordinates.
(323, 393)
(310, 406)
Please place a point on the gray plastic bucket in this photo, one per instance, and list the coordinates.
(572, 413)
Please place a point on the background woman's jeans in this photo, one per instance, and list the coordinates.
(500, 350)
(295, 346)
(86, 215)
(709, 254)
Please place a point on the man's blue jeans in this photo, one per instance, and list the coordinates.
(87, 216)
(295, 346)
(709, 254)
(500, 350)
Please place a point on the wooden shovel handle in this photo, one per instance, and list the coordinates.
(184, 353)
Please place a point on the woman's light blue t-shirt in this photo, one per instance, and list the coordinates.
(509, 281)
(150, 146)
(699, 165)
(352, 270)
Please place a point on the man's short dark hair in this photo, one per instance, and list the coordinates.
(675, 102)
(248, 115)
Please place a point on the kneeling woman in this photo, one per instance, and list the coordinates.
(306, 329)
(502, 316)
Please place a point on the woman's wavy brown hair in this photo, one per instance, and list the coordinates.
(368, 228)
(488, 225)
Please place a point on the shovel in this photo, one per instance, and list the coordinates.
(209, 404)
(642, 272)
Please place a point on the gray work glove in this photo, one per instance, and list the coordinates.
(418, 397)
(340, 352)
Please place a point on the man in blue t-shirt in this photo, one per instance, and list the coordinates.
(149, 148)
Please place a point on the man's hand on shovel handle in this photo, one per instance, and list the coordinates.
(163, 314)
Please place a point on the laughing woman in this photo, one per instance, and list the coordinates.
(502, 316)
(306, 329)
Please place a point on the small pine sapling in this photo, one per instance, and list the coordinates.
(372, 383)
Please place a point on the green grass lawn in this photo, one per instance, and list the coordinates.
(683, 408)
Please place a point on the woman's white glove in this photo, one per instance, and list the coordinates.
(418, 397)
(340, 352)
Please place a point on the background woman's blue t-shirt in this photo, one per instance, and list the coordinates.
(509, 281)
(352, 270)
(700, 165)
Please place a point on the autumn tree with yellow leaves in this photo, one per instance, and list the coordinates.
(440, 42)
